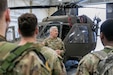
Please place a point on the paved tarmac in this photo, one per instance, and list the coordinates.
(71, 71)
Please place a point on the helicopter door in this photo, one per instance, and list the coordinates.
(78, 41)
(78, 34)
(65, 30)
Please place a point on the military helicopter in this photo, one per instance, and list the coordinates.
(79, 37)
(79, 33)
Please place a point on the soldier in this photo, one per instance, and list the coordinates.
(28, 29)
(54, 42)
(91, 64)
(16, 60)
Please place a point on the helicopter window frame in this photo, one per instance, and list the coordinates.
(40, 28)
(65, 29)
(81, 38)
(10, 34)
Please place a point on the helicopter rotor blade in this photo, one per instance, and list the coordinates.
(33, 7)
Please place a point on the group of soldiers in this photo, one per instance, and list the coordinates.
(99, 62)
(29, 57)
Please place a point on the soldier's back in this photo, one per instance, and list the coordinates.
(17, 61)
(54, 63)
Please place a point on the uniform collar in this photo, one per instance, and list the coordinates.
(2, 38)
(53, 38)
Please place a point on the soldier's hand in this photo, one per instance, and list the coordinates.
(58, 52)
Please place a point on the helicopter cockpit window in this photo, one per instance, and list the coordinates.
(45, 32)
(65, 30)
(94, 38)
(10, 35)
(79, 34)
(40, 28)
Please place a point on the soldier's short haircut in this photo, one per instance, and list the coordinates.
(27, 24)
(107, 29)
(53, 27)
(3, 6)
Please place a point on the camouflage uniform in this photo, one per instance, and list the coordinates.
(29, 64)
(88, 64)
(54, 64)
(55, 44)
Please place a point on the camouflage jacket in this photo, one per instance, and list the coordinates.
(55, 44)
(54, 63)
(29, 64)
(88, 64)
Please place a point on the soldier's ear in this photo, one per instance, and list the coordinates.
(7, 15)
(19, 31)
(101, 35)
(36, 30)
